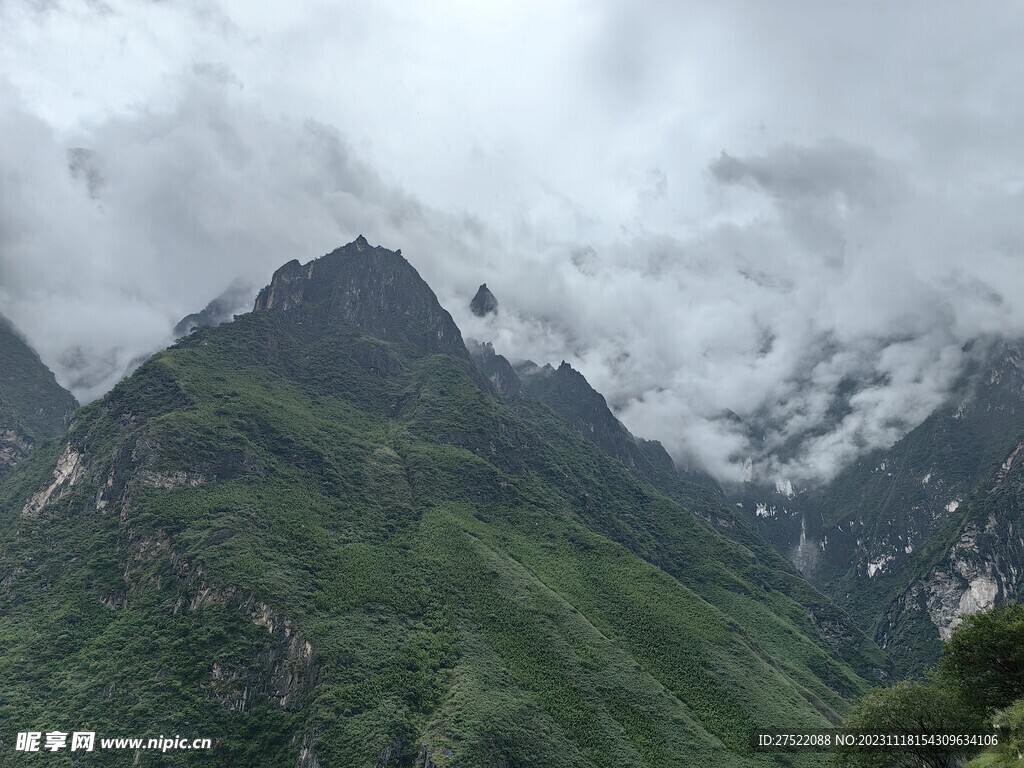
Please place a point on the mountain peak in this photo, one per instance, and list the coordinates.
(484, 303)
(371, 287)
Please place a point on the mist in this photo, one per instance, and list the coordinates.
(728, 217)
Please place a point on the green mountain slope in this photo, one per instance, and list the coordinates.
(887, 521)
(320, 536)
(33, 406)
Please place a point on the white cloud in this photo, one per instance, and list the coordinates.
(705, 206)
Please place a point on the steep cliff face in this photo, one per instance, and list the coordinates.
(568, 393)
(33, 406)
(899, 512)
(974, 563)
(583, 409)
(15, 441)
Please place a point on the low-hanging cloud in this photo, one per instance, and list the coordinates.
(829, 324)
(767, 301)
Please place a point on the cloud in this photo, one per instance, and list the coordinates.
(831, 322)
(763, 233)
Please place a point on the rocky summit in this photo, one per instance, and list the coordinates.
(484, 302)
(325, 535)
(371, 288)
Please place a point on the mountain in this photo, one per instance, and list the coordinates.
(373, 289)
(972, 563)
(896, 538)
(585, 411)
(322, 535)
(33, 406)
(484, 303)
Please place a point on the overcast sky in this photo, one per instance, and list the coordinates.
(703, 206)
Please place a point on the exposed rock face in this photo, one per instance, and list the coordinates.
(171, 480)
(283, 671)
(235, 299)
(966, 583)
(307, 753)
(372, 288)
(484, 303)
(981, 566)
(66, 474)
(287, 287)
(351, 593)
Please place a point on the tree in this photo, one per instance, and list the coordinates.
(1011, 720)
(910, 709)
(984, 658)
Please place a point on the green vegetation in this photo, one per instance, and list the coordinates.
(985, 658)
(911, 709)
(978, 689)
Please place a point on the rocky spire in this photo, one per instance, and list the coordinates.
(484, 303)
